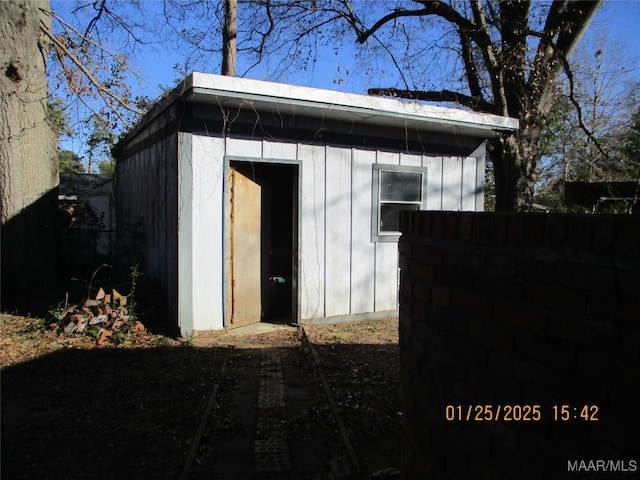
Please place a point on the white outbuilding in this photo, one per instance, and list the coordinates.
(249, 201)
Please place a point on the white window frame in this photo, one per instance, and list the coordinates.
(376, 203)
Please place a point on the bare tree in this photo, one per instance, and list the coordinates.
(499, 57)
(229, 38)
(28, 154)
(33, 34)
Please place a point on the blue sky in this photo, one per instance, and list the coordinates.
(619, 20)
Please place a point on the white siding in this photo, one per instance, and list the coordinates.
(244, 147)
(468, 184)
(148, 214)
(386, 258)
(341, 272)
(185, 236)
(312, 241)
(338, 232)
(362, 248)
(410, 160)
(434, 182)
(451, 183)
(208, 227)
(279, 150)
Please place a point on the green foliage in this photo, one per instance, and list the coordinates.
(630, 139)
(70, 162)
(107, 167)
(57, 117)
(134, 274)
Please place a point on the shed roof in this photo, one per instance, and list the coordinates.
(285, 99)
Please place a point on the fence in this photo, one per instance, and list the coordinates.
(519, 344)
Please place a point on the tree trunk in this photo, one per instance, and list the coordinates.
(28, 158)
(514, 157)
(229, 38)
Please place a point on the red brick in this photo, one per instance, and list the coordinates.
(499, 288)
(422, 291)
(421, 272)
(579, 331)
(477, 306)
(515, 229)
(441, 297)
(534, 226)
(603, 233)
(465, 226)
(580, 234)
(533, 347)
(403, 262)
(629, 346)
(481, 229)
(557, 298)
(600, 307)
(449, 320)
(628, 236)
(501, 265)
(628, 282)
(422, 227)
(604, 368)
(427, 254)
(587, 276)
(451, 225)
(404, 247)
(556, 230)
(535, 270)
(499, 222)
(454, 277)
(438, 226)
(461, 346)
(521, 317)
(491, 334)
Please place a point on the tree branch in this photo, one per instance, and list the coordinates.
(436, 8)
(475, 103)
(469, 64)
(101, 89)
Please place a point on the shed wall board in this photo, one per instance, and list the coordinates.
(363, 249)
(208, 209)
(312, 222)
(468, 184)
(341, 271)
(185, 235)
(434, 182)
(451, 183)
(386, 258)
(410, 160)
(338, 232)
(148, 215)
(283, 150)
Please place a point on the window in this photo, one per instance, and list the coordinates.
(395, 188)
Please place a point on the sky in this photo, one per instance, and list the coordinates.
(619, 20)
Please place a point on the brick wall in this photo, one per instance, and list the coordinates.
(519, 310)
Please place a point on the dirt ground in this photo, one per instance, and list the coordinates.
(71, 409)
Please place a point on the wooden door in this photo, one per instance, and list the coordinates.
(245, 196)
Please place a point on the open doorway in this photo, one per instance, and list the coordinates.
(263, 239)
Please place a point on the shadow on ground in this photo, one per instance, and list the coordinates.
(133, 413)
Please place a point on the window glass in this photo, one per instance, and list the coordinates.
(400, 187)
(390, 215)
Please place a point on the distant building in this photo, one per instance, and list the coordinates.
(599, 197)
(87, 208)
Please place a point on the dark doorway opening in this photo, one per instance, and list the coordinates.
(278, 183)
